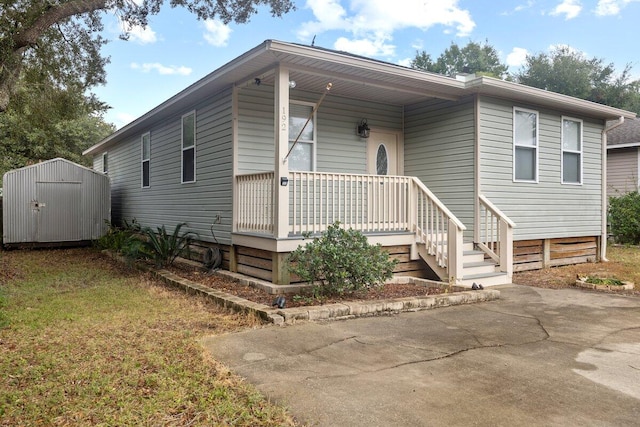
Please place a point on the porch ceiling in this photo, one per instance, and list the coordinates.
(351, 76)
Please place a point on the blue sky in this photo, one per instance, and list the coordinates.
(176, 49)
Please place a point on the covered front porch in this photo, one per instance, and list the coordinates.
(276, 213)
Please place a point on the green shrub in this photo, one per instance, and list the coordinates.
(341, 261)
(163, 247)
(119, 238)
(624, 218)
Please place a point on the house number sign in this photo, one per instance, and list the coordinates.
(283, 120)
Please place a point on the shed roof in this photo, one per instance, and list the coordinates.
(56, 160)
(353, 77)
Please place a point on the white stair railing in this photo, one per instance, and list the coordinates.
(438, 229)
(494, 235)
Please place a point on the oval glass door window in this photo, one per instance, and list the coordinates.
(382, 160)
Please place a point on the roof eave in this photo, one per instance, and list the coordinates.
(209, 78)
(495, 87)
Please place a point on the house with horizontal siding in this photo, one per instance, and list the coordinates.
(464, 178)
(623, 158)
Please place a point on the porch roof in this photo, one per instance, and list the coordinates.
(352, 76)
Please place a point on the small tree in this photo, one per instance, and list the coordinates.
(624, 218)
(341, 261)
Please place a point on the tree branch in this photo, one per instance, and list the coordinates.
(51, 16)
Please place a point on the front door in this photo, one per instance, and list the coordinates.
(382, 153)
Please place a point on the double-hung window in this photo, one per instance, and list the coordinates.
(525, 145)
(302, 157)
(189, 147)
(146, 158)
(571, 151)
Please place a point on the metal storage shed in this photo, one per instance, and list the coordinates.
(54, 201)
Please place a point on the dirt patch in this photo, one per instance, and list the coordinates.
(623, 264)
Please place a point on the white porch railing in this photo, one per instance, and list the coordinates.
(494, 234)
(368, 203)
(254, 209)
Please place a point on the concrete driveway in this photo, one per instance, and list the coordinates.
(535, 357)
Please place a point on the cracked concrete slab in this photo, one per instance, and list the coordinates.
(534, 357)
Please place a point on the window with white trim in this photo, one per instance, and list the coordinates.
(571, 151)
(145, 141)
(189, 147)
(525, 145)
(105, 163)
(302, 157)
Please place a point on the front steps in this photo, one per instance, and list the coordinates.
(476, 269)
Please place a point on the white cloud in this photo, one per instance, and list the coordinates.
(365, 47)
(569, 8)
(216, 34)
(138, 34)
(517, 57)
(611, 7)
(373, 22)
(519, 8)
(406, 62)
(161, 69)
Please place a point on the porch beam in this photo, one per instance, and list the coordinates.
(281, 167)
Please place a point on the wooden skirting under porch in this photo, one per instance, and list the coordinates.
(540, 253)
(272, 266)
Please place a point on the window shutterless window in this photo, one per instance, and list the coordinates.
(571, 151)
(146, 158)
(105, 163)
(189, 147)
(525, 145)
(302, 157)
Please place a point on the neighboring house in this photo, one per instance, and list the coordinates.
(473, 177)
(623, 158)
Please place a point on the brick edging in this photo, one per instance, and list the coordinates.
(344, 310)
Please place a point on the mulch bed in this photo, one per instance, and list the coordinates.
(388, 291)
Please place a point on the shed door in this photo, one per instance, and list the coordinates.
(59, 211)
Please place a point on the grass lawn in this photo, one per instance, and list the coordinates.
(85, 342)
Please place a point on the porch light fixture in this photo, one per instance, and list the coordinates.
(284, 181)
(363, 129)
(292, 84)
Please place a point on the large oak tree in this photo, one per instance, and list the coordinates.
(62, 36)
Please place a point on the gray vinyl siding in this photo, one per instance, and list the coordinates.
(167, 201)
(439, 142)
(338, 148)
(256, 143)
(622, 171)
(547, 209)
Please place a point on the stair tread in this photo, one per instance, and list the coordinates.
(483, 275)
(478, 264)
(472, 252)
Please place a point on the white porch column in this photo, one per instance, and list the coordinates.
(280, 192)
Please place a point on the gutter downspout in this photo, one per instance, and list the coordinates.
(603, 237)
